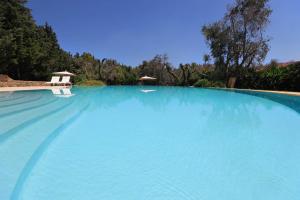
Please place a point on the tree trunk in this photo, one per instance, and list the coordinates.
(169, 70)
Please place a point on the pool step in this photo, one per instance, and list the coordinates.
(23, 122)
(13, 98)
(10, 110)
(14, 118)
(8, 104)
(31, 137)
(29, 166)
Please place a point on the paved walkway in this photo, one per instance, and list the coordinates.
(268, 91)
(8, 89)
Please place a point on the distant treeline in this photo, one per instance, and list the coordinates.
(237, 48)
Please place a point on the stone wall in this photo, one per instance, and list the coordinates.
(21, 83)
(6, 81)
(5, 78)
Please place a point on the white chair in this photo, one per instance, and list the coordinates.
(65, 80)
(54, 80)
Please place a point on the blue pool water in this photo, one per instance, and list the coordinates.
(156, 143)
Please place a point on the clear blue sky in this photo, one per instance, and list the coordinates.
(134, 30)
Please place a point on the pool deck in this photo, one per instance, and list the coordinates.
(11, 89)
(266, 91)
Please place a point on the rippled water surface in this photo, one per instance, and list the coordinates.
(156, 143)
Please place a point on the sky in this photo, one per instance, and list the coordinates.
(135, 30)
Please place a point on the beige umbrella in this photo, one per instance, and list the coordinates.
(147, 78)
(64, 73)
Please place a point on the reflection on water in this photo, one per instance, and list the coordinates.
(217, 106)
(292, 102)
(147, 91)
(4, 95)
(112, 96)
(62, 92)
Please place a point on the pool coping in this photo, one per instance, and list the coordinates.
(28, 88)
(262, 91)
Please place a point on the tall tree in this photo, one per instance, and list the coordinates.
(156, 67)
(238, 40)
(18, 46)
(206, 59)
(28, 51)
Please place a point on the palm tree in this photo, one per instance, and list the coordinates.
(206, 59)
(100, 65)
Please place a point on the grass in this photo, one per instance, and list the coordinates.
(90, 83)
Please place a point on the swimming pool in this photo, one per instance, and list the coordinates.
(158, 143)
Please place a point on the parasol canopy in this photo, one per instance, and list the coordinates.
(64, 73)
(147, 78)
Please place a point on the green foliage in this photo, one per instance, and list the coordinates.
(206, 59)
(207, 83)
(237, 40)
(218, 84)
(272, 77)
(203, 83)
(292, 77)
(28, 51)
(156, 67)
(31, 52)
(90, 83)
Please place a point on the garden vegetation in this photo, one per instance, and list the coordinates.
(238, 46)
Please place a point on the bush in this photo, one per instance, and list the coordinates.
(79, 78)
(293, 77)
(207, 83)
(248, 79)
(271, 78)
(90, 83)
(202, 83)
(218, 84)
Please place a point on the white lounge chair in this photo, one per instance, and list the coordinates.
(54, 80)
(65, 80)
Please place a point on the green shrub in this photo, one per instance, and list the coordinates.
(203, 83)
(293, 77)
(207, 83)
(218, 84)
(79, 78)
(271, 78)
(90, 83)
(249, 78)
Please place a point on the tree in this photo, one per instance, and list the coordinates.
(206, 59)
(28, 51)
(273, 64)
(100, 66)
(237, 41)
(18, 47)
(156, 67)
